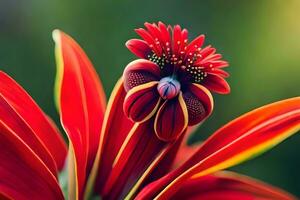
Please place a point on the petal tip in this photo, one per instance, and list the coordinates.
(56, 35)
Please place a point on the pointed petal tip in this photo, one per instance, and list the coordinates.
(56, 35)
(226, 90)
(138, 47)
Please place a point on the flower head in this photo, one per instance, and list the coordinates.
(172, 79)
(112, 157)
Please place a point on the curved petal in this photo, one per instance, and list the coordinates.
(157, 34)
(178, 154)
(139, 47)
(141, 102)
(23, 174)
(152, 42)
(171, 119)
(216, 84)
(195, 44)
(139, 72)
(138, 154)
(40, 124)
(239, 140)
(229, 185)
(176, 40)
(115, 129)
(185, 152)
(81, 103)
(165, 35)
(199, 103)
(16, 123)
(167, 161)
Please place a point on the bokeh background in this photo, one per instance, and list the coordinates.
(260, 39)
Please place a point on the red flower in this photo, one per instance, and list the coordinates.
(172, 83)
(112, 157)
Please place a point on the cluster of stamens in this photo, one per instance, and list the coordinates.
(160, 61)
(184, 61)
(195, 71)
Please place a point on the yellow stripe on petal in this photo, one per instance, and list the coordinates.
(94, 171)
(134, 189)
(59, 68)
(250, 153)
(240, 140)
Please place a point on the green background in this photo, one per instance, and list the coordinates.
(260, 39)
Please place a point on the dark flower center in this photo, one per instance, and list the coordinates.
(180, 67)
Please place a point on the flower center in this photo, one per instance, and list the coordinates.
(160, 61)
(168, 87)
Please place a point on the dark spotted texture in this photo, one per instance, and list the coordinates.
(136, 78)
(196, 110)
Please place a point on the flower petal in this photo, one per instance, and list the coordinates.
(239, 140)
(165, 35)
(10, 118)
(138, 153)
(116, 127)
(177, 155)
(229, 185)
(40, 124)
(81, 102)
(141, 102)
(139, 72)
(216, 84)
(139, 47)
(199, 103)
(185, 152)
(176, 40)
(171, 119)
(23, 174)
(145, 35)
(195, 44)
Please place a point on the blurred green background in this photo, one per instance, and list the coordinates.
(260, 39)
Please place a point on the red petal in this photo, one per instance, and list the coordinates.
(185, 152)
(138, 47)
(116, 127)
(207, 51)
(23, 174)
(184, 39)
(171, 119)
(40, 124)
(150, 40)
(138, 152)
(176, 40)
(166, 163)
(177, 155)
(237, 141)
(165, 34)
(10, 118)
(199, 103)
(220, 72)
(216, 83)
(155, 32)
(139, 72)
(229, 185)
(195, 44)
(81, 102)
(160, 38)
(142, 101)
